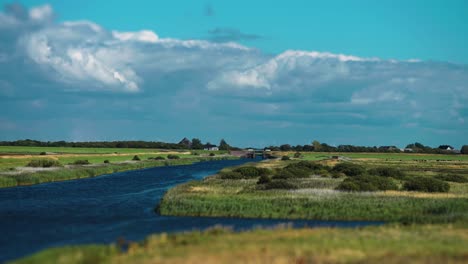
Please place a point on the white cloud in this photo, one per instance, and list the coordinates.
(222, 80)
(142, 36)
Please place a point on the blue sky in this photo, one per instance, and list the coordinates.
(253, 72)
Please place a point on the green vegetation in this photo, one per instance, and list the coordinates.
(425, 184)
(171, 156)
(366, 183)
(382, 244)
(136, 158)
(404, 191)
(79, 171)
(80, 162)
(43, 163)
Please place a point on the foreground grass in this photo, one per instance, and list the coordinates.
(78, 172)
(383, 244)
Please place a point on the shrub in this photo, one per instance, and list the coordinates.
(292, 172)
(212, 154)
(350, 169)
(426, 184)
(136, 158)
(80, 162)
(323, 173)
(43, 163)
(452, 178)
(337, 175)
(285, 158)
(387, 172)
(264, 179)
(172, 156)
(297, 155)
(231, 175)
(252, 172)
(159, 158)
(106, 161)
(280, 184)
(367, 183)
(43, 153)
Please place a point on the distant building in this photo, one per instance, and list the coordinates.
(186, 142)
(408, 150)
(210, 147)
(446, 147)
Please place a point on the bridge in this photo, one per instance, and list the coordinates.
(252, 153)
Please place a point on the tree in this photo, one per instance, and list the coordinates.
(197, 144)
(317, 145)
(285, 147)
(223, 145)
(464, 149)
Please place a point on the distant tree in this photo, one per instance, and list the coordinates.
(317, 145)
(285, 147)
(223, 145)
(464, 149)
(197, 144)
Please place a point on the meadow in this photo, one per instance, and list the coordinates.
(317, 196)
(382, 244)
(15, 169)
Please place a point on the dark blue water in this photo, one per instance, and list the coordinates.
(105, 208)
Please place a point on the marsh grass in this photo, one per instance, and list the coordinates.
(78, 171)
(314, 197)
(382, 244)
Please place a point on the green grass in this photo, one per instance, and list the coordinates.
(392, 156)
(316, 197)
(383, 244)
(78, 172)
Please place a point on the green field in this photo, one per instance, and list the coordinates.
(14, 170)
(384, 244)
(392, 156)
(316, 197)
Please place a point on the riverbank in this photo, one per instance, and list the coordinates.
(315, 195)
(72, 172)
(383, 244)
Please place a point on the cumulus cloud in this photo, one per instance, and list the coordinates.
(141, 79)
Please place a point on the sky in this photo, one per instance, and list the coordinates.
(253, 72)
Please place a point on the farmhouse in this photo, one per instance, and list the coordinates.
(210, 147)
(446, 147)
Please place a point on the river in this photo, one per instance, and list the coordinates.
(106, 208)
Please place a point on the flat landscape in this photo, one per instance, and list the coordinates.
(32, 165)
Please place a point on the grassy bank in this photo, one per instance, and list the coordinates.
(86, 171)
(316, 196)
(384, 244)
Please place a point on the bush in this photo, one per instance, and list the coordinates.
(80, 162)
(252, 172)
(43, 163)
(285, 158)
(280, 184)
(231, 175)
(264, 179)
(426, 184)
(43, 153)
(172, 156)
(350, 169)
(212, 154)
(159, 158)
(337, 175)
(297, 155)
(452, 178)
(367, 183)
(136, 158)
(106, 161)
(292, 172)
(387, 172)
